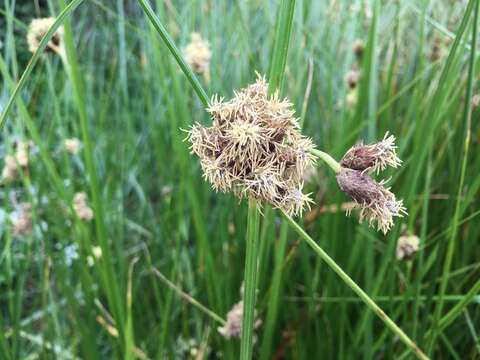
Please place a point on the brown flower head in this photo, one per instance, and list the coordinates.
(255, 148)
(375, 157)
(72, 145)
(16, 163)
(376, 202)
(358, 48)
(37, 30)
(407, 245)
(198, 54)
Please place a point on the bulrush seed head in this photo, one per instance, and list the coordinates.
(376, 202)
(375, 157)
(255, 148)
(37, 30)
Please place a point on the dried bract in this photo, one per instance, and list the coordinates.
(254, 148)
(375, 157)
(37, 30)
(378, 205)
(198, 54)
(83, 211)
(407, 245)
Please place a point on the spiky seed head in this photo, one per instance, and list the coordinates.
(376, 202)
(375, 157)
(198, 54)
(254, 148)
(37, 30)
(407, 245)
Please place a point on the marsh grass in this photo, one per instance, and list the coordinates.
(133, 112)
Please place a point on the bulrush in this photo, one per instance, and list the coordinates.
(37, 30)
(377, 203)
(375, 157)
(254, 148)
(198, 54)
(83, 211)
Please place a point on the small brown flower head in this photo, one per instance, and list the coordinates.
(9, 171)
(475, 101)
(352, 98)
(21, 220)
(358, 48)
(352, 78)
(83, 211)
(375, 157)
(376, 202)
(255, 148)
(407, 245)
(37, 30)
(72, 145)
(198, 54)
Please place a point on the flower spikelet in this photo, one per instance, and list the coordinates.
(377, 203)
(37, 30)
(254, 148)
(375, 157)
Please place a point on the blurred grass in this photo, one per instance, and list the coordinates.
(157, 207)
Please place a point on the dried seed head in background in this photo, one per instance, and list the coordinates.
(233, 325)
(358, 48)
(72, 145)
(21, 219)
(37, 30)
(407, 245)
(84, 212)
(375, 157)
(352, 78)
(255, 148)
(377, 204)
(16, 163)
(198, 54)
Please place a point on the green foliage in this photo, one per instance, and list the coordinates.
(128, 100)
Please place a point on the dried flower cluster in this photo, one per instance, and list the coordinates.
(407, 245)
(198, 54)
(72, 145)
(254, 148)
(377, 203)
(37, 30)
(83, 211)
(16, 163)
(21, 220)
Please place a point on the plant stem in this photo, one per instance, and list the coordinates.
(251, 264)
(334, 165)
(352, 285)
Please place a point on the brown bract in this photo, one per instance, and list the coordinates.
(254, 148)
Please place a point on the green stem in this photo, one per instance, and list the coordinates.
(167, 39)
(334, 165)
(362, 294)
(250, 280)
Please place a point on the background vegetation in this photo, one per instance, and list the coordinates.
(127, 99)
